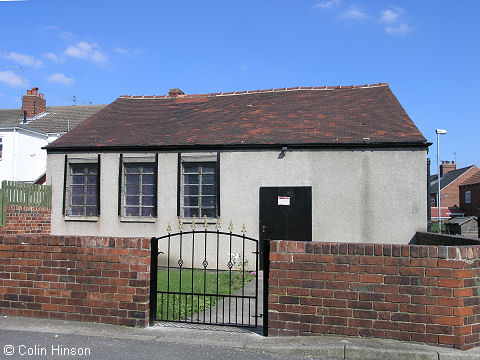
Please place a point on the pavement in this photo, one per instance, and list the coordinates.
(331, 347)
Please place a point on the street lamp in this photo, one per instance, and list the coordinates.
(439, 132)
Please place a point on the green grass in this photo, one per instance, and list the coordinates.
(435, 227)
(180, 307)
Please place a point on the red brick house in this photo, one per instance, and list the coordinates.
(469, 193)
(450, 181)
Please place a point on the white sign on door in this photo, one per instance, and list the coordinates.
(284, 200)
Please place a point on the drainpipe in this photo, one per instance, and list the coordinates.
(14, 164)
(429, 208)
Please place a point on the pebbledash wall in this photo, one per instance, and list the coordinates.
(420, 293)
(92, 279)
(26, 220)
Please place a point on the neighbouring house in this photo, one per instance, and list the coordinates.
(24, 131)
(293, 163)
(450, 180)
(469, 194)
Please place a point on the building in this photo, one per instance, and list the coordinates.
(299, 163)
(469, 194)
(24, 131)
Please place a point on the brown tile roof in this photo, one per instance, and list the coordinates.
(294, 116)
(472, 179)
(56, 119)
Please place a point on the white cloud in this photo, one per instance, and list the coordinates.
(354, 13)
(51, 56)
(87, 51)
(120, 50)
(10, 78)
(60, 79)
(23, 59)
(400, 29)
(128, 52)
(391, 15)
(326, 4)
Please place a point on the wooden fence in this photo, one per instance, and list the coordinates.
(18, 193)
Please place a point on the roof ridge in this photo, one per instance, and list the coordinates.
(248, 92)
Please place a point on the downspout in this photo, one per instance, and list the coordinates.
(429, 209)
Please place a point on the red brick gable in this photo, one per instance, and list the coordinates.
(300, 116)
(450, 193)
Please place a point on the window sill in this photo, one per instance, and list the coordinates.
(200, 221)
(133, 219)
(82, 218)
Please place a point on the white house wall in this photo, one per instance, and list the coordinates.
(357, 195)
(23, 157)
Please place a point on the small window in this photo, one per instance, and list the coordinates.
(468, 197)
(199, 190)
(83, 183)
(1, 148)
(139, 184)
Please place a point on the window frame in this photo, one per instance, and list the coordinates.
(216, 187)
(1, 148)
(468, 197)
(85, 184)
(124, 165)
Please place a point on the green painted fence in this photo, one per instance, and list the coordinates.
(18, 193)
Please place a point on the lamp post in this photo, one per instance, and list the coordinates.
(439, 132)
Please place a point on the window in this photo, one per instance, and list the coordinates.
(1, 148)
(468, 197)
(83, 190)
(199, 190)
(139, 195)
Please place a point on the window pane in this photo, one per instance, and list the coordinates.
(77, 200)
(91, 200)
(91, 179)
(131, 211)
(132, 200)
(148, 169)
(77, 210)
(208, 169)
(148, 178)
(208, 179)
(132, 179)
(190, 200)
(190, 168)
(190, 179)
(190, 212)
(147, 200)
(132, 189)
(208, 200)
(77, 189)
(208, 190)
(148, 189)
(132, 169)
(91, 189)
(190, 190)
(77, 169)
(147, 211)
(78, 179)
(91, 169)
(210, 213)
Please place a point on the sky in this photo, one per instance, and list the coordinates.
(428, 51)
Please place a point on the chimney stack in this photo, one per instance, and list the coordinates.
(447, 166)
(33, 103)
(175, 92)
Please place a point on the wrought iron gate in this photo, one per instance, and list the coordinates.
(205, 277)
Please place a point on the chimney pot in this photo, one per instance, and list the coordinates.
(35, 91)
(29, 92)
(33, 103)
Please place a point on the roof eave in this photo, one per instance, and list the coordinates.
(210, 147)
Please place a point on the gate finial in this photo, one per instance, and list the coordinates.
(193, 222)
(218, 225)
(169, 227)
(244, 229)
(180, 224)
(205, 225)
(230, 227)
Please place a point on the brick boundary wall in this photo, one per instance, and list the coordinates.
(92, 279)
(428, 294)
(26, 220)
